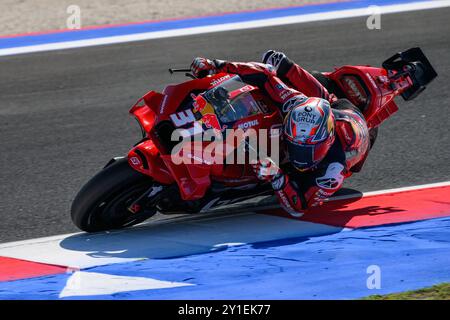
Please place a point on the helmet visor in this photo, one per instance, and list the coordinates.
(301, 156)
(305, 157)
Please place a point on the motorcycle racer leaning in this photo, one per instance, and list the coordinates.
(326, 139)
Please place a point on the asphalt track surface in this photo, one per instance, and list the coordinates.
(64, 114)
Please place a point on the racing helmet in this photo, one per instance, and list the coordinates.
(309, 132)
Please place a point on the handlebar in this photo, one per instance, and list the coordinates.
(187, 72)
(172, 71)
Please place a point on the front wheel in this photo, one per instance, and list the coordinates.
(103, 201)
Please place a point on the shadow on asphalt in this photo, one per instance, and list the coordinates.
(205, 233)
(184, 236)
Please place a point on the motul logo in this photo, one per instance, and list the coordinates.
(220, 80)
(248, 124)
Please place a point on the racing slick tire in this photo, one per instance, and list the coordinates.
(103, 201)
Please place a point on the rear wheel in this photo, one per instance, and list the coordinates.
(103, 201)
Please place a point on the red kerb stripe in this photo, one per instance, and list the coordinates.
(373, 210)
(14, 269)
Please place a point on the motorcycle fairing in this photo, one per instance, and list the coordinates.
(371, 89)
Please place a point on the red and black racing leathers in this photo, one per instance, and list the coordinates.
(298, 191)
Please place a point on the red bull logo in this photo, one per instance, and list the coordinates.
(211, 122)
(199, 103)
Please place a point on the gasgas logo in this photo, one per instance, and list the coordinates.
(135, 161)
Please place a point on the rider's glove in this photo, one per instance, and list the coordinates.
(274, 58)
(201, 67)
(266, 170)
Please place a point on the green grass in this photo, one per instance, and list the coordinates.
(437, 292)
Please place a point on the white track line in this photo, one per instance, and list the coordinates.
(322, 16)
(396, 190)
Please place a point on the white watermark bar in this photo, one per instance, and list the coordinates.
(232, 146)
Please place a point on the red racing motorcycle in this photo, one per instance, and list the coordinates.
(148, 180)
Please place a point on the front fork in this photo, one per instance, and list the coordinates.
(147, 199)
(157, 194)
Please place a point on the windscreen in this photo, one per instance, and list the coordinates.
(232, 100)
